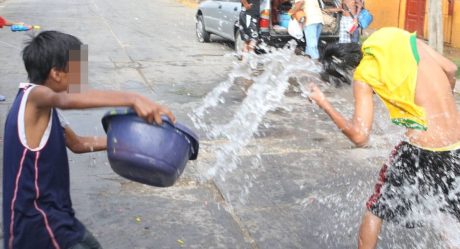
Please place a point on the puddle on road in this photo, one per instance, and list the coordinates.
(235, 122)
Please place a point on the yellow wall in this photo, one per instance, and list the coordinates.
(402, 13)
(425, 28)
(455, 41)
(446, 22)
(385, 13)
(393, 13)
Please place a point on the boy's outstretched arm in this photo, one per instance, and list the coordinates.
(44, 97)
(78, 144)
(358, 128)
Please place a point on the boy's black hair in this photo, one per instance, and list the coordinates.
(339, 60)
(47, 50)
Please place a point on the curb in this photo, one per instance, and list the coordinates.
(188, 3)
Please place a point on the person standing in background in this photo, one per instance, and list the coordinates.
(276, 9)
(313, 25)
(350, 11)
(249, 24)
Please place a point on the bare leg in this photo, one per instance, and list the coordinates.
(250, 46)
(246, 47)
(369, 231)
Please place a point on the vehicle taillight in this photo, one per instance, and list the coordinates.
(264, 21)
(264, 24)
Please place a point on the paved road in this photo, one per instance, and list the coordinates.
(298, 183)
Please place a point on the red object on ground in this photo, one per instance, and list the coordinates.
(2, 22)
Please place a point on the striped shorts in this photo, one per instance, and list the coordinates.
(417, 184)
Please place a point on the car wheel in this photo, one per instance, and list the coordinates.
(239, 43)
(201, 33)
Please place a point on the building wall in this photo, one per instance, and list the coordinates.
(455, 31)
(386, 13)
(392, 13)
(450, 23)
(402, 13)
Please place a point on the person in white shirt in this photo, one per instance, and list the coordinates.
(313, 25)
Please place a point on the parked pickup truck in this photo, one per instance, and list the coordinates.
(220, 17)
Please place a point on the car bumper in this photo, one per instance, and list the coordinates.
(280, 41)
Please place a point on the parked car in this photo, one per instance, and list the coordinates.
(220, 17)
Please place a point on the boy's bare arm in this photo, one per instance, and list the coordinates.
(358, 128)
(43, 97)
(449, 68)
(78, 144)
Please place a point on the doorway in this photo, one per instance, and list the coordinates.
(415, 16)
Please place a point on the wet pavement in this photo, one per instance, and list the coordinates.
(308, 191)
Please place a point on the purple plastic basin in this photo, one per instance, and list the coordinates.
(148, 153)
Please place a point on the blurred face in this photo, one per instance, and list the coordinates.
(76, 78)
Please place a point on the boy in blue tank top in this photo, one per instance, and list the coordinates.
(37, 209)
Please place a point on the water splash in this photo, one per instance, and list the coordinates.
(426, 226)
(265, 93)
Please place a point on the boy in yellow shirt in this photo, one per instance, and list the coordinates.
(415, 83)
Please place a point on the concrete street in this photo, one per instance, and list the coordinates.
(299, 183)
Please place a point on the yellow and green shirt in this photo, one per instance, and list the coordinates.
(389, 66)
